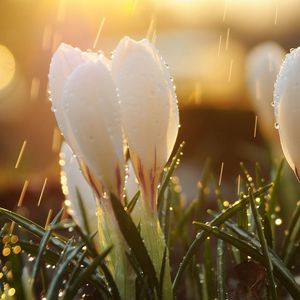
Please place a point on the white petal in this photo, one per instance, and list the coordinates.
(287, 107)
(74, 181)
(148, 102)
(92, 111)
(64, 61)
(262, 67)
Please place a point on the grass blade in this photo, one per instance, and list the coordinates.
(291, 237)
(201, 236)
(42, 247)
(274, 194)
(52, 293)
(264, 246)
(133, 202)
(134, 240)
(221, 271)
(168, 175)
(280, 270)
(82, 277)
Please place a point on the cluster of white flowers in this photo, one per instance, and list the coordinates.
(103, 108)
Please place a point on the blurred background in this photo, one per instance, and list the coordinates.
(204, 42)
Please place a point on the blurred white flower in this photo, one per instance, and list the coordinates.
(149, 109)
(262, 67)
(73, 186)
(86, 107)
(287, 108)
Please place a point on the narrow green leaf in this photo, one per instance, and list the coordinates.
(162, 275)
(203, 282)
(133, 202)
(50, 257)
(208, 266)
(275, 191)
(52, 293)
(83, 275)
(42, 247)
(280, 270)
(32, 227)
(221, 271)
(201, 236)
(134, 240)
(264, 246)
(268, 232)
(291, 236)
(165, 215)
(168, 176)
(258, 176)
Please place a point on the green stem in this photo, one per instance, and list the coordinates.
(118, 264)
(155, 243)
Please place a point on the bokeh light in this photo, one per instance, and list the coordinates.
(7, 67)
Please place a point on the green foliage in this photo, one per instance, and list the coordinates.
(205, 247)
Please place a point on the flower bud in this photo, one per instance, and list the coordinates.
(262, 67)
(149, 108)
(86, 107)
(287, 108)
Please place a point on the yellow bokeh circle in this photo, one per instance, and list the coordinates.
(7, 66)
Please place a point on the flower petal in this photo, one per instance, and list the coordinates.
(148, 102)
(92, 111)
(287, 107)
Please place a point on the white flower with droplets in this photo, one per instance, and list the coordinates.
(149, 109)
(86, 108)
(287, 108)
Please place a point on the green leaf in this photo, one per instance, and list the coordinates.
(52, 293)
(221, 271)
(209, 274)
(251, 247)
(133, 202)
(165, 214)
(201, 236)
(42, 247)
(168, 176)
(264, 246)
(32, 227)
(162, 275)
(293, 233)
(81, 279)
(258, 175)
(134, 240)
(275, 191)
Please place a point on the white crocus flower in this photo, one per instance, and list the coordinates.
(287, 108)
(74, 186)
(86, 107)
(150, 120)
(149, 110)
(262, 67)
